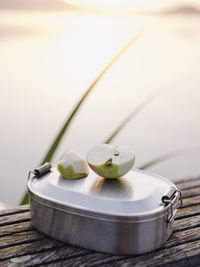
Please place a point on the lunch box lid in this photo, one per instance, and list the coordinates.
(135, 196)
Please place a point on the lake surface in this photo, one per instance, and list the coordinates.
(48, 59)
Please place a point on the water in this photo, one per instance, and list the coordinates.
(47, 59)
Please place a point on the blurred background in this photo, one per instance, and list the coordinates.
(51, 51)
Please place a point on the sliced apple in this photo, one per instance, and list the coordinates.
(110, 161)
(73, 166)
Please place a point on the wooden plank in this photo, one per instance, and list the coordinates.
(187, 223)
(32, 242)
(24, 227)
(15, 228)
(191, 193)
(183, 237)
(185, 251)
(165, 256)
(88, 258)
(31, 248)
(183, 185)
(192, 201)
(192, 261)
(20, 239)
(188, 212)
(32, 238)
(16, 218)
(54, 255)
(19, 209)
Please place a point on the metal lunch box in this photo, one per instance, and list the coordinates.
(130, 215)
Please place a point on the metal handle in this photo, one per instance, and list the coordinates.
(168, 198)
(169, 195)
(41, 170)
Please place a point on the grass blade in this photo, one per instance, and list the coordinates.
(61, 133)
(57, 140)
(147, 101)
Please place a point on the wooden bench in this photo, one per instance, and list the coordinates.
(22, 245)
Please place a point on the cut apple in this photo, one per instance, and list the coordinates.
(110, 161)
(73, 166)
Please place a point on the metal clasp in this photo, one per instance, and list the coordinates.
(168, 199)
(41, 170)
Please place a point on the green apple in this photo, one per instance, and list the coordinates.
(73, 166)
(110, 161)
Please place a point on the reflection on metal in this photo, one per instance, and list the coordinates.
(112, 188)
(120, 216)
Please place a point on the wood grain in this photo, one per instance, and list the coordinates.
(14, 218)
(29, 248)
(188, 183)
(18, 238)
(15, 228)
(191, 192)
(18, 209)
(185, 251)
(187, 223)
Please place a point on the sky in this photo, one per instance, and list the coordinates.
(50, 53)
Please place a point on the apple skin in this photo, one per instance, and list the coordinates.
(110, 161)
(69, 173)
(110, 172)
(73, 166)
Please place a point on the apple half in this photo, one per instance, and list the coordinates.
(110, 161)
(73, 166)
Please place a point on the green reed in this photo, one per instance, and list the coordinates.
(49, 155)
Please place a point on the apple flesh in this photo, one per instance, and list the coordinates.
(73, 166)
(109, 161)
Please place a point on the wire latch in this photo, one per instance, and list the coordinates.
(173, 197)
(41, 170)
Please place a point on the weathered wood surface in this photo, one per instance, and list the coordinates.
(22, 245)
